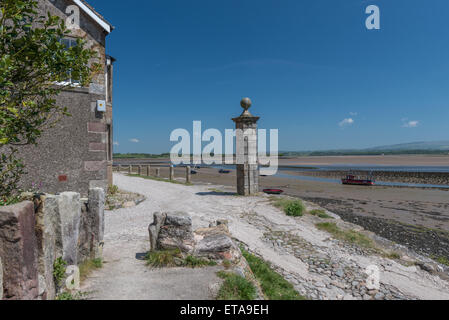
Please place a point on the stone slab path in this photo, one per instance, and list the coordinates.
(317, 265)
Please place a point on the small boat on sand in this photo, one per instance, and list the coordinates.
(357, 181)
(273, 191)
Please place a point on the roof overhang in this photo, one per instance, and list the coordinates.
(106, 26)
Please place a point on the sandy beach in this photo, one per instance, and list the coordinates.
(416, 217)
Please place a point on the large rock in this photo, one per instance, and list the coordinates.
(70, 213)
(217, 246)
(154, 228)
(91, 234)
(49, 244)
(176, 232)
(18, 252)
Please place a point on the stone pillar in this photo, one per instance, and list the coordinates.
(139, 170)
(246, 150)
(120, 168)
(148, 170)
(188, 175)
(172, 173)
(158, 172)
(130, 170)
(18, 252)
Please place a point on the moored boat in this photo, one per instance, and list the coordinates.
(356, 181)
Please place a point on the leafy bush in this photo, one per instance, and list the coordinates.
(292, 207)
(59, 269)
(295, 209)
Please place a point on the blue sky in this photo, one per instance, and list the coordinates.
(307, 66)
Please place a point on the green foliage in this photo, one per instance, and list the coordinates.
(113, 190)
(32, 61)
(291, 207)
(59, 268)
(165, 258)
(69, 296)
(274, 286)
(175, 258)
(349, 236)
(88, 266)
(235, 287)
(320, 213)
(194, 262)
(441, 260)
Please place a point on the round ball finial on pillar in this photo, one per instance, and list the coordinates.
(246, 103)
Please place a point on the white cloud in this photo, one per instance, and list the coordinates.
(354, 114)
(134, 140)
(116, 143)
(346, 122)
(410, 124)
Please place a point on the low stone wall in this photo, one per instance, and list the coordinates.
(36, 233)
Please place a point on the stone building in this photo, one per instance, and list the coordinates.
(76, 154)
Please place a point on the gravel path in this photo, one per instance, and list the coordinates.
(319, 266)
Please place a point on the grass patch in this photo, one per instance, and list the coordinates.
(88, 266)
(216, 190)
(274, 286)
(194, 262)
(112, 190)
(350, 236)
(292, 208)
(235, 287)
(68, 296)
(175, 258)
(165, 258)
(320, 213)
(159, 179)
(441, 260)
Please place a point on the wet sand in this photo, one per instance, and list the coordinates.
(402, 160)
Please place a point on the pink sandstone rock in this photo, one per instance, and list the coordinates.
(18, 251)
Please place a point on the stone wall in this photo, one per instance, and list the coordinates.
(35, 233)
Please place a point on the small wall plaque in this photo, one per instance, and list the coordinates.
(101, 106)
(62, 178)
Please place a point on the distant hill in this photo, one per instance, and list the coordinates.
(434, 145)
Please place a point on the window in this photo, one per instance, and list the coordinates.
(69, 43)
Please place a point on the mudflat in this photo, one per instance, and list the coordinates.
(400, 160)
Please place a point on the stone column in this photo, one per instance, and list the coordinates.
(246, 151)
(148, 170)
(172, 173)
(130, 170)
(139, 170)
(158, 172)
(188, 175)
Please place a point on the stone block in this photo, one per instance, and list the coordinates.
(49, 243)
(70, 213)
(154, 228)
(176, 232)
(18, 252)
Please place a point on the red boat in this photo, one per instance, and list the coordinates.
(273, 191)
(356, 181)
